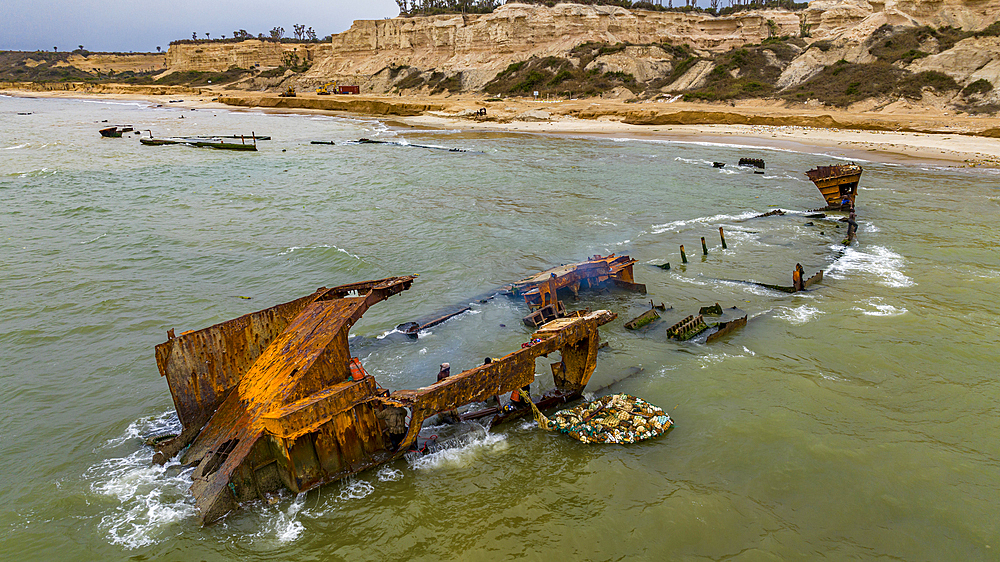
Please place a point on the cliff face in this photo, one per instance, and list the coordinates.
(465, 52)
(516, 32)
(252, 53)
(856, 19)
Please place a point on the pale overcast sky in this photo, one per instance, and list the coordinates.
(142, 25)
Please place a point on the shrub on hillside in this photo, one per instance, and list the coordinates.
(844, 83)
(981, 86)
(912, 86)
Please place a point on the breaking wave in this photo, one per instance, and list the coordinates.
(462, 456)
(876, 306)
(146, 500)
(879, 261)
(675, 225)
(798, 315)
(714, 358)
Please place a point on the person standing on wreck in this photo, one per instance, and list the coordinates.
(445, 372)
(394, 418)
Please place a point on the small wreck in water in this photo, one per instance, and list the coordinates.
(838, 184)
(273, 399)
(540, 291)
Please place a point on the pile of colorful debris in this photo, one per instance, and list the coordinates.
(619, 418)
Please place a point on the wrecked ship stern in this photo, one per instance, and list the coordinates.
(268, 400)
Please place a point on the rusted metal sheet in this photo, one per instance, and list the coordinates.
(645, 318)
(725, 328)
(285, 412)
(818, 277)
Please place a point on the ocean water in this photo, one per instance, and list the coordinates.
(857, 420)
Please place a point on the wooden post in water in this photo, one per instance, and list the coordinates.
(684, 258)
(723, 236)
(704, 247)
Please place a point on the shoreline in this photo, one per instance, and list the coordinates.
(959, 147)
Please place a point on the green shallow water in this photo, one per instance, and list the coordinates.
(857, 420)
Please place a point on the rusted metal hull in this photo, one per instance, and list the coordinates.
(837, 183)
(267, 400)
(539, 290)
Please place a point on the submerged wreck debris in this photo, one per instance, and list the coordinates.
(204, 142)
(687, 328)
(397, 143)
(540, 291)
(619, 418)
(725, 328)
(799, 282)
(714, 310)
(752, 162)
(774, 213)
(692, 326)
(643, 319)
(838, 184)
(116, 132)
(797, 278)
(273, 399)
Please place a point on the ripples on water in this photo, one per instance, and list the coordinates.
(851, 418)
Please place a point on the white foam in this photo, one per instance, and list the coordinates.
(279, 525)
(694, 161)
(354, 489)
(879, 261)
(148, 499)
(16, 146)
(676, 225)
(715, 358)
(880, 308)
(141, 105)
(463, 456)
(798, 315)
(296, 248)
(388, 474)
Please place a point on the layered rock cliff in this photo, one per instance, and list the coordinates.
(467, 52)
(482, 45)
(252, 53)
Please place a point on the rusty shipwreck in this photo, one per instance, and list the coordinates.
(838, 184)
(273, 399)
(540, 291)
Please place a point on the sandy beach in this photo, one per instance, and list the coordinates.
(909, 135)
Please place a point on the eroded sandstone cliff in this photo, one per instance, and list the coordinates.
(466, 52)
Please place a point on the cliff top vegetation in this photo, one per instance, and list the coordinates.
(416, 8)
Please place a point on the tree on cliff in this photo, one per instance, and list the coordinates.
(194, 35)
(277, 33)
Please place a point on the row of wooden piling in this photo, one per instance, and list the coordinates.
(704, 246)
